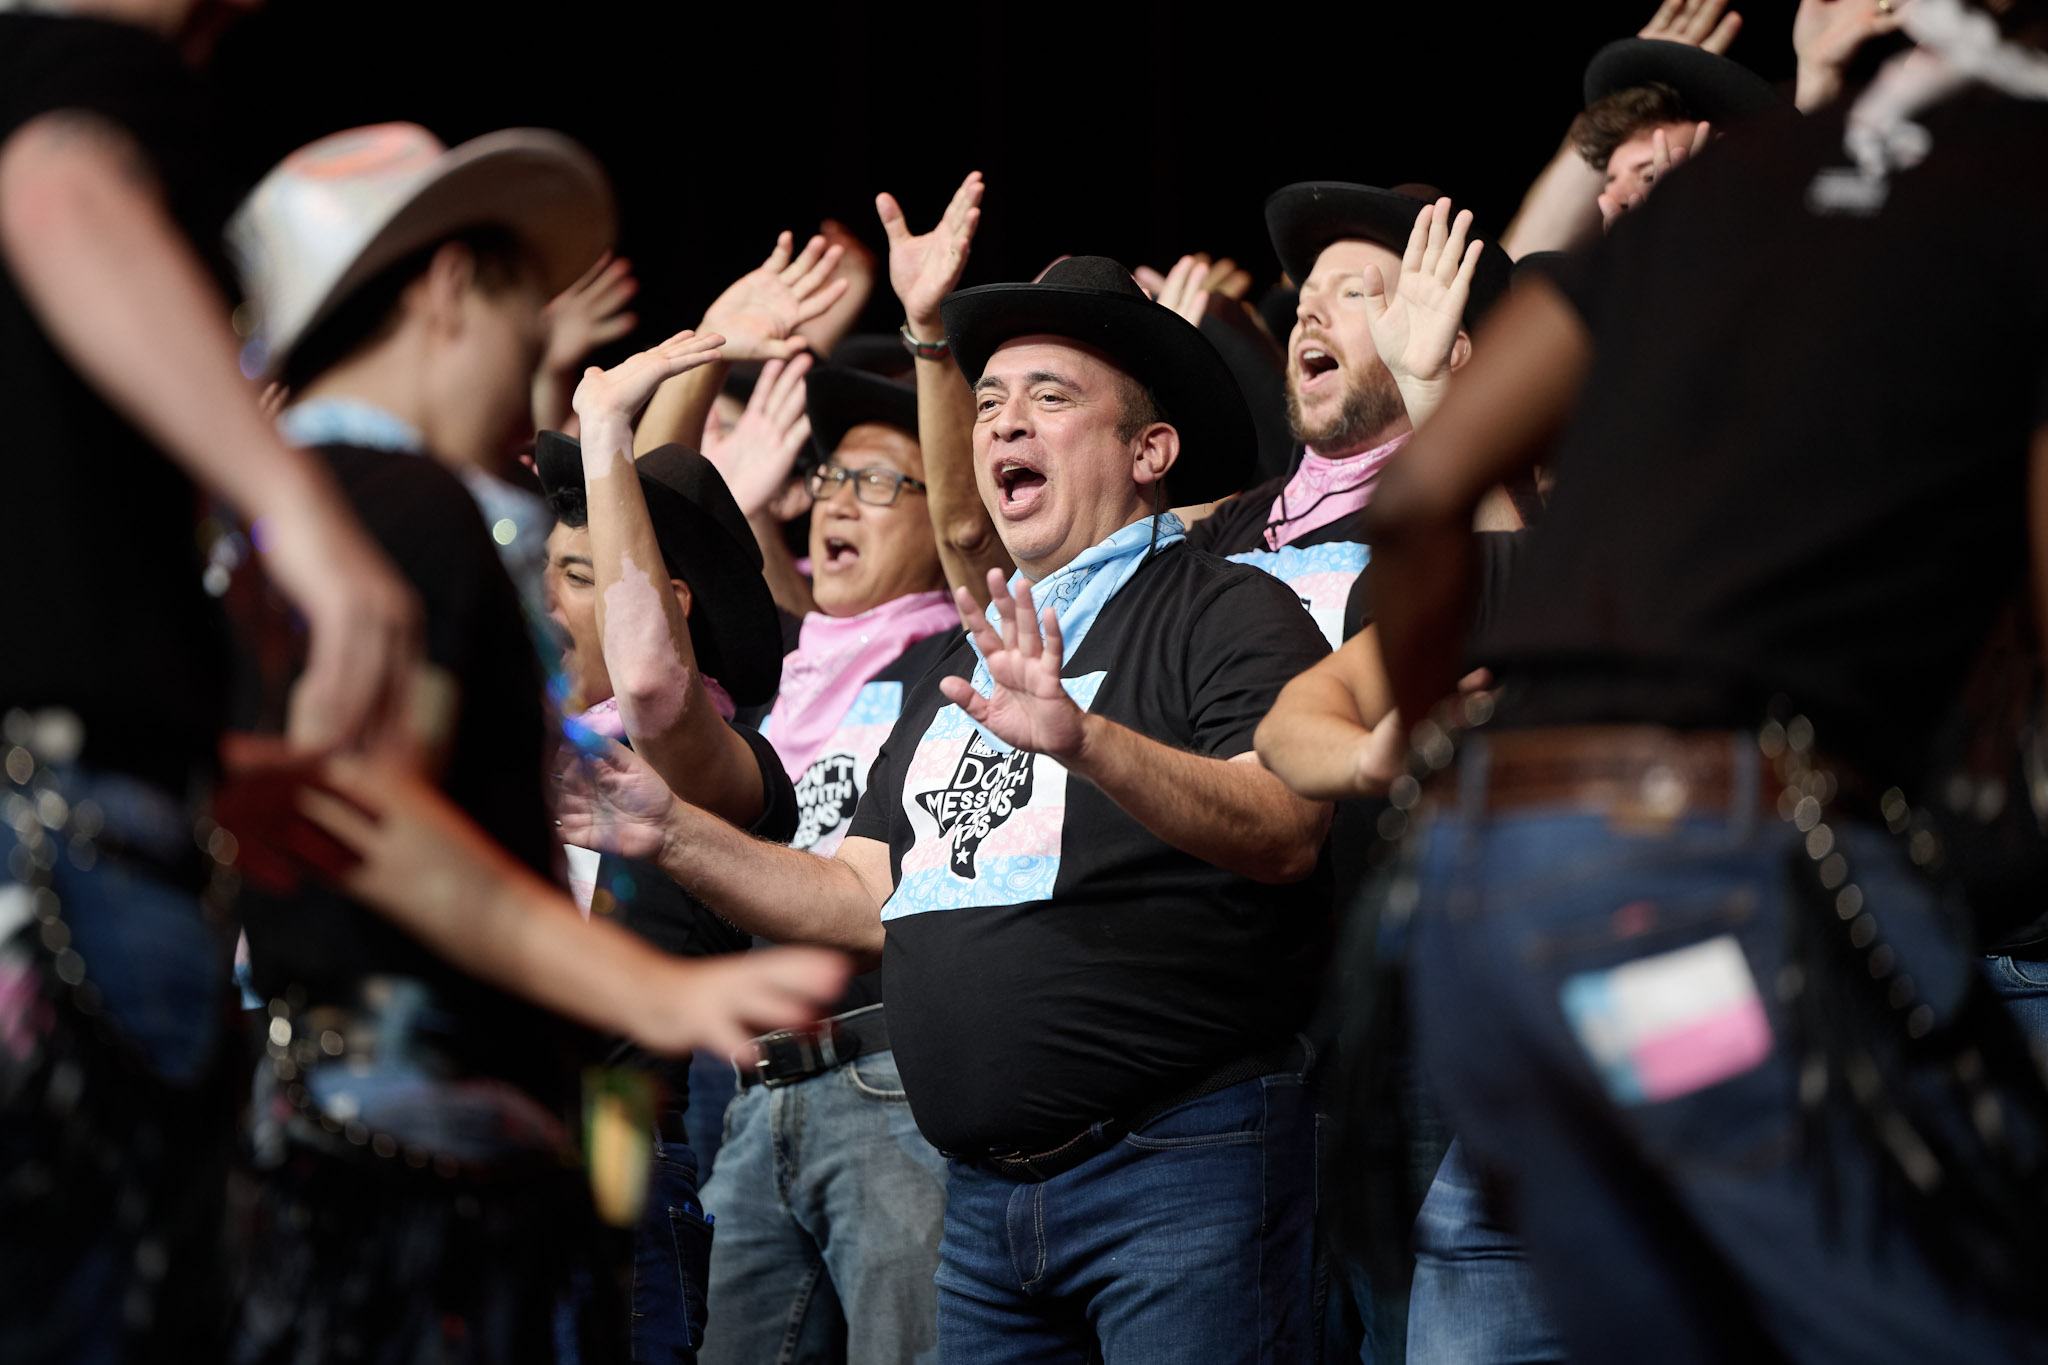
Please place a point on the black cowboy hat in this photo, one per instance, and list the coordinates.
(1714, 88)
(1304, 218)
(1093, 300)
(705, 542)
(840, 399)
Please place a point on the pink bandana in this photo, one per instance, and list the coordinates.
(1322, 491)
(834, 658)
(604, 718)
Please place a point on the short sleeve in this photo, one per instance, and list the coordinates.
(1253, 637)
(874, 816)
(778, 818)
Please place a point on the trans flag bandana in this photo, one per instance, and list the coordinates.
(1078, 593)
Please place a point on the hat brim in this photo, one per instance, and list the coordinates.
(1303, 219)
(1715, 88)
(539, 185)
(734, 629)
(1153, 344)
(838, 400)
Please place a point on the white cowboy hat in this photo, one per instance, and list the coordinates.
(336, 212)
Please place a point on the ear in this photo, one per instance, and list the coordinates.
(683, 595)
(1158, 446)
(1461, 351)
(440, 292)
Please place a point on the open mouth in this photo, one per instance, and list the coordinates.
(1314, 362)
(1018, 483)
(840, 554)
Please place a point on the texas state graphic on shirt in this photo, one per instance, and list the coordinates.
(1321, 576)
(832, 785)
(987, 824)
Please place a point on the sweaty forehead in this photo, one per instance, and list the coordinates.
(1017, 361)
(1351, 255)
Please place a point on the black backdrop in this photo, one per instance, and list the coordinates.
(1137, 131)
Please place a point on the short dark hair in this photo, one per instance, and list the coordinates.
(571, 506)
(1608, 122)
(368, 314)
(1140, 408)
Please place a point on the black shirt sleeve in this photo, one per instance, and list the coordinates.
(778, 794)
(1252, 638)
(872, 818)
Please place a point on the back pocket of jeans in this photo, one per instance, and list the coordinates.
(690, 1228)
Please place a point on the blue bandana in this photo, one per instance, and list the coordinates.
(1078, 592)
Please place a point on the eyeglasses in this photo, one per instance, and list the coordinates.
(876, 486)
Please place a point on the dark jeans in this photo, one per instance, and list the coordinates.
(1599, 1011)
(1191, 1239)
(671, 1261)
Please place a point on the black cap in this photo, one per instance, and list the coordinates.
(705, 542)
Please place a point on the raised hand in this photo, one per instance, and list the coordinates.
(1826, 34)
(759, 312)
(1181, 288)
(1028, 707)
(857, 268)
(1696, 23)
(758, 453)
(924, 269)
(1665, 157)
(1415, 325)
(625, 388)
(608, 798)
(590, 313)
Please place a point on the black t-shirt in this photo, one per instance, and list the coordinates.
(1495, 553)
(110, 620)
(1049, 962)
(1799, 460)
(319, 940)
(1319, 565)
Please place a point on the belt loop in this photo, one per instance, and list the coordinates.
(1474, 772)
(1747, 765)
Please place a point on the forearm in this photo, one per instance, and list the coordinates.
(790, 589)
(782, 894)
(1561, 211)
(115, 285)
(663, 703)
(551, 395)
(1233, 814)
(968, 545)
(1518, 390)
(1314, 737)
(679, 409)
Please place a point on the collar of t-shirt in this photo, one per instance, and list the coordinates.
(1323, 490)
(518, 520)
(835, 657)
(1078, 592)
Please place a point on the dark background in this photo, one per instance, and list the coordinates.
(1130, 130)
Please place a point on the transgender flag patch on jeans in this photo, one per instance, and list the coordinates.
(1665, 1026)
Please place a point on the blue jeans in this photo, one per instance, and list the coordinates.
(671, 1261)
(1191, 1239)
(162, 974)
(829, 1205)
(2022, 982)
(1598, 1007)
(1475, 1299)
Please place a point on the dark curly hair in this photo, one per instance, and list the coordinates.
(1608, 122)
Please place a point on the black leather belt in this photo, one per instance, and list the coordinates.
(1293, 1055)
(799, 1054)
